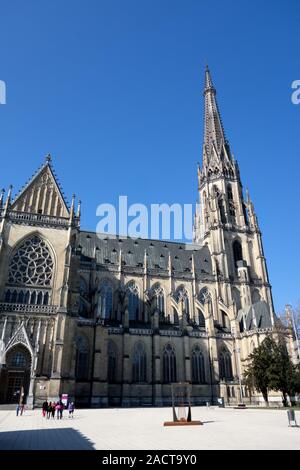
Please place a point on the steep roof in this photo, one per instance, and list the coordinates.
(107, 251)
(42, 194)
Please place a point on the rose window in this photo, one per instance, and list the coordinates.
(30, 273)
(32, 264)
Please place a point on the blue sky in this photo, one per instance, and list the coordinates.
(113, 89)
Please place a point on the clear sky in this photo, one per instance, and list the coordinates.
(113, 90)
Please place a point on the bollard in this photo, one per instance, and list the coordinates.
(291, 417)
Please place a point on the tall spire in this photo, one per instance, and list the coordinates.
(213, 129)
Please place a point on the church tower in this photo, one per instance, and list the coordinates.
(225, 221)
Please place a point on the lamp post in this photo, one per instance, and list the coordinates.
(237, 350)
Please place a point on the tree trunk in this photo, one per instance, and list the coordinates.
(284, 399)
(265, 396)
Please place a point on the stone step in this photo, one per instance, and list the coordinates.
(8, 406)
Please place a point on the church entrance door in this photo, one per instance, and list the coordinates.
(16, 375)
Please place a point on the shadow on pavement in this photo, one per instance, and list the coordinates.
(45, 439)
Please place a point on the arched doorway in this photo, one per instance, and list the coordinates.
(16, 375)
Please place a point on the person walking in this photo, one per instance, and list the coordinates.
(57, 407)
(45, 408)
(49, 410)
(22, 409)
(17, 409)
(61, 409)
(53, 410)
(71, 408)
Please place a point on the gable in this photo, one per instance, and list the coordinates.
(20, 337)
(42, 195)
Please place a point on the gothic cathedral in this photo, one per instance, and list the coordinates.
(115, 321)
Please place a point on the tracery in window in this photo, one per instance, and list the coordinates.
(159, 297)
(139, 363)
(105, 300)
(82, 358)
(30, 273)
(169, 364)
(32, 264)
(204, 295)
(181, 295)
(133, 301)
(225, 365)
(198, 367)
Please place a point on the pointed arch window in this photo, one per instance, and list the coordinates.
(237, 252)
(229, 193)
(139, 363)
(19, 357)
(33, 298)
(7, 297)
(201, 319)
(225, 365)
(82, 358)
(231, 203)
(222, 210)
(133, 301)
(159, 297)
(169, 364)
(84, 300)
(18, 360)
(181, 295)
(21, 297)
(46, 298)
(14, 297)
(198, 366)
(204, 295)
(105, 301)
(175, 317)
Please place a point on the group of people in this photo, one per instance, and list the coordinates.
(49, 408)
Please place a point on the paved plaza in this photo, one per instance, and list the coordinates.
(142, 428)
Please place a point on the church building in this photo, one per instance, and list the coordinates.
(114, 321)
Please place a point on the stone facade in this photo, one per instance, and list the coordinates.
(114, 321)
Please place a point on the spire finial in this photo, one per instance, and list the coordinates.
(78, 213)
(8, 198)
(145, 262)
(72, 207)
(169, 263)
(208, 81)
(48, 157)
(214, 135)
(247, 195)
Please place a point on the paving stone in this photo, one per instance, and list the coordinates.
(142, 428)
